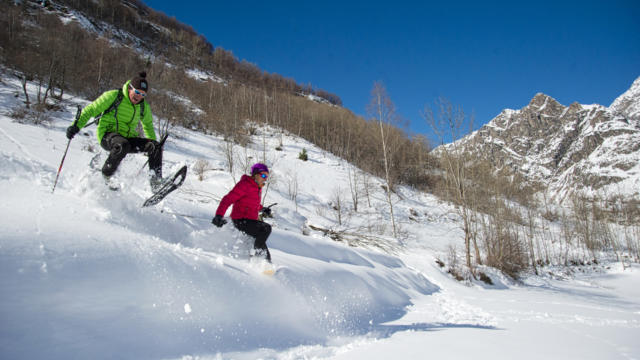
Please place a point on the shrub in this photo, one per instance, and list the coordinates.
(200, 167)
(36, 115)
(303, 155)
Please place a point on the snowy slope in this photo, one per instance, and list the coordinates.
(87, 273)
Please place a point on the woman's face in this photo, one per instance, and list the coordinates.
(261, 178)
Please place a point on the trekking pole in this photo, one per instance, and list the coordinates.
(65, 151)
(269, 207)
(262, 215)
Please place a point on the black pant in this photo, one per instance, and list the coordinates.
(260, 231)
(119, 146)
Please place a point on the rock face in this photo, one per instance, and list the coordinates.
(587, 148)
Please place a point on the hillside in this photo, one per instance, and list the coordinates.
(133, 24)
(192, 84)
(86, 272)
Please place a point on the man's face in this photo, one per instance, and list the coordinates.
(135, 95)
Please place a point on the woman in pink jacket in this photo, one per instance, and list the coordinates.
(245, 198)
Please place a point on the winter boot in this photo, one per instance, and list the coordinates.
(155, 182)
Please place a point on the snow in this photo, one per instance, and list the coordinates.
(627, 103)
(188, 104)
(204, 76)
(85, 272)
(315, 98)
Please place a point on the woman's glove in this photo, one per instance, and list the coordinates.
(218, 221)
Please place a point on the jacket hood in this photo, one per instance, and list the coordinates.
(125, 91)
(248, 179)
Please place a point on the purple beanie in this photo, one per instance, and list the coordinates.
(258, 168)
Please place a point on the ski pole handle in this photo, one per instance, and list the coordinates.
(161, 142)
(78, 113)
(95, 120)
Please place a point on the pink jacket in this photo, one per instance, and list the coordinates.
(245, 197)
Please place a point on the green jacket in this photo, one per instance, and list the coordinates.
(127, 119)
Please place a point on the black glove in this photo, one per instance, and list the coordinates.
(72, 131)
(150, 147)
(218, 221)
(266, 211)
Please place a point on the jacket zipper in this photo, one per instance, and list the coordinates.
(130, 121)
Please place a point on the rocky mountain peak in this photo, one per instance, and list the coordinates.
(541, 107)
(588, 148)
(540, 100)
(627, 105)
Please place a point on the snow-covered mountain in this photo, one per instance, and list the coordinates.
(592, 149)
(627, 105)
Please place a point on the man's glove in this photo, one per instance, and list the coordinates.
(150, 147)
(218, 221)
(266, 211)
(72, 131)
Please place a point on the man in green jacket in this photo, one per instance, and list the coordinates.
(117, 127)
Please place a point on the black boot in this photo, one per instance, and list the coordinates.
(156, 181)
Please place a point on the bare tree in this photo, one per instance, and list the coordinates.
(531, 234)
(229, 154)
(23, 80)
(337, 204)
(200, 167)
(448, 124)
(354, 174)
(383, 110)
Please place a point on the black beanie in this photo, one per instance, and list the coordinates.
(140, 82)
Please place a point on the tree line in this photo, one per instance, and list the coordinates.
(181, 45)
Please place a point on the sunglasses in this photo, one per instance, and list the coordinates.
(138, 92)
(264, 176)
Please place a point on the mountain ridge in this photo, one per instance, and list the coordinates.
(589, 149)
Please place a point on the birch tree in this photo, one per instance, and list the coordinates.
(383, 110)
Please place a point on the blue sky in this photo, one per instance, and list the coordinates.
(483, 56)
